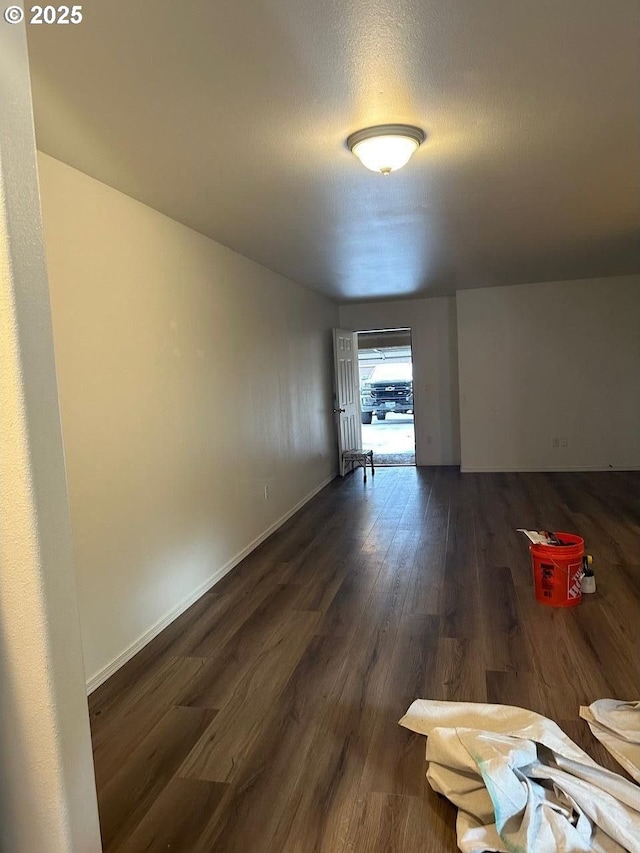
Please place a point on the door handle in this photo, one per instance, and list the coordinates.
(337, 411)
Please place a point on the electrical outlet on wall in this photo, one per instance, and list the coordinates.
(564, 441)
(266, 493)
(555, 441)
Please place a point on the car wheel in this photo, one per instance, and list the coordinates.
(366, 417)
(381, 415)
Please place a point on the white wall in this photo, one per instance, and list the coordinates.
(435, 378)
(190, 378)
(540, 361)
(47, 789)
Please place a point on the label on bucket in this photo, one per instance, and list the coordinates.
(574, 580)
(557, 583)
(546, 582)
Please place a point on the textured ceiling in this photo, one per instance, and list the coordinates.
(231, 117)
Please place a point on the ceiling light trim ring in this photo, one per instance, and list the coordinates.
(409, 131)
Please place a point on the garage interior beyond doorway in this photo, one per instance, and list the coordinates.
(385, 365)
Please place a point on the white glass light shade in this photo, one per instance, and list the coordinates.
(387, 147)
(385, 153)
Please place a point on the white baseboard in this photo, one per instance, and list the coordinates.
(525, 469)
(103, 674)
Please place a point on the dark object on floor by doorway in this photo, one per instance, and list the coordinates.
(385, 459)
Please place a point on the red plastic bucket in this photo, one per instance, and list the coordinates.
(557, 571)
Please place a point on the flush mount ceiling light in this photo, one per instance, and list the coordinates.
(386, 147)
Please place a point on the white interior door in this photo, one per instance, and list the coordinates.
(346, 393)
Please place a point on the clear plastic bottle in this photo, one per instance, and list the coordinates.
(588, 577)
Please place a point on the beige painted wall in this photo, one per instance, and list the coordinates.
(552, 360)
(435, 377)
(190, 379)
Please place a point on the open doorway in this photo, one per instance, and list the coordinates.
(385, 365)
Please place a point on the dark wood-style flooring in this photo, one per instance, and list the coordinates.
(265, 717)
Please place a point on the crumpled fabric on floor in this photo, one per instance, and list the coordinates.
(520, 784)
(617, 727)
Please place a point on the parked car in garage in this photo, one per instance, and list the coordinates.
(389, 388)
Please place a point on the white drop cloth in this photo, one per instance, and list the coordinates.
(617, 727)
(520, 784)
